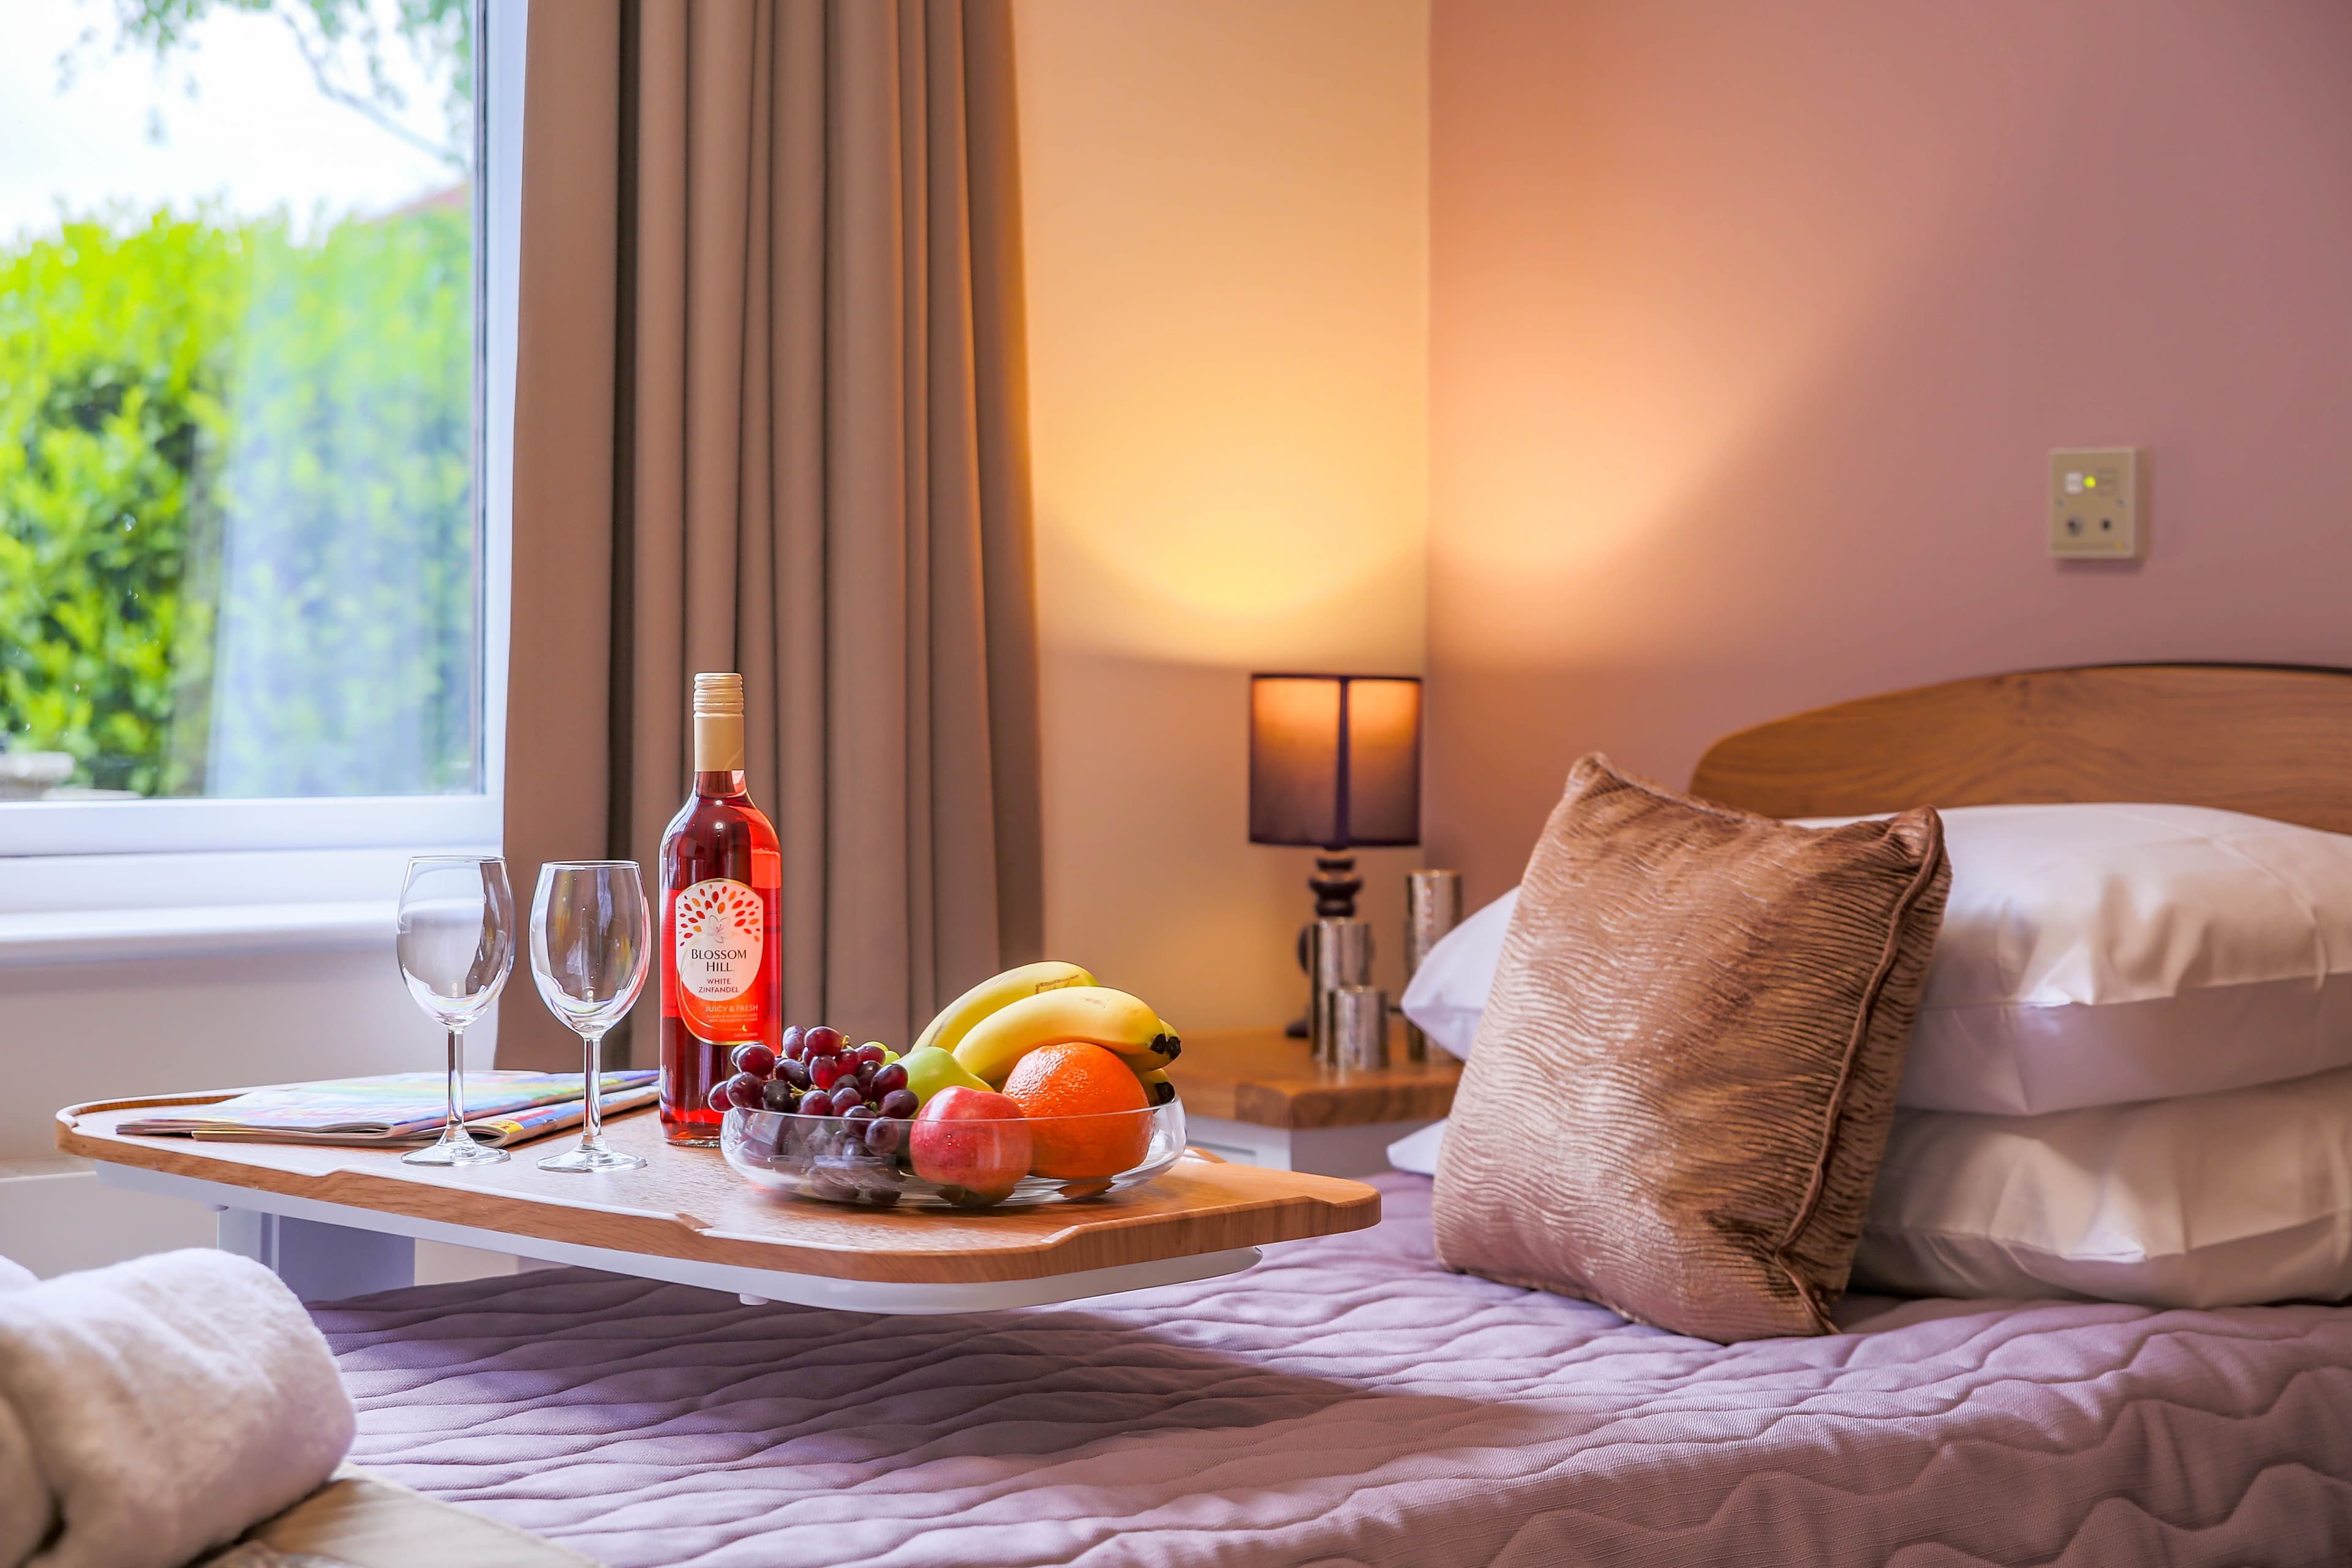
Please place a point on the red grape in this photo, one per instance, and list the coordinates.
(865, 1071)
(745, 1090)
(823, 1041)
(872, 1051)
(793, 1073)
(899, 1103)
(888, 1077)
(885, 1136)
(816, 1104)
(790, 1047)
(755, 1058)
(718, 1097)
(779, 1095)
(845, 1095)
(826, 1071)
(858, 1113)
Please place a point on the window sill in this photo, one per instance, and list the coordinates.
(113, 936)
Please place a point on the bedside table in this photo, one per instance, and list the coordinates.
(1257, 1096)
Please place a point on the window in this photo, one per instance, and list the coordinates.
(255, 317)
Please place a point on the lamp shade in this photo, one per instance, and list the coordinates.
(1335, 760)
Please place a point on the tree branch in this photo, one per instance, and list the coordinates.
(315, 55)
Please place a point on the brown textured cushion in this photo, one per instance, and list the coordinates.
(1683, 1082)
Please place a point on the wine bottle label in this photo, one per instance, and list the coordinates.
(721, 934)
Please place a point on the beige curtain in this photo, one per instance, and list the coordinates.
(771, 418)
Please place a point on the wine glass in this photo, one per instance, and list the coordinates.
(457, 946)
(590, 940)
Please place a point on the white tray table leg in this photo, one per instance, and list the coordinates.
(320, 1262)
(249, 1233)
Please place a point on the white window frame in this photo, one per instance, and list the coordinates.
(64, 865)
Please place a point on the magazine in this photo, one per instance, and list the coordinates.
(501, 1108)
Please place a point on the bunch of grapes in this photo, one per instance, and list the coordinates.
(816, 1072)
(845, 1113)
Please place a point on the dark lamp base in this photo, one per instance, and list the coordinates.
(1335, 886)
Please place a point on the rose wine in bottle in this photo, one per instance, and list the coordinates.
(721, 973)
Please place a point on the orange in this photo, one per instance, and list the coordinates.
(1088, 1082)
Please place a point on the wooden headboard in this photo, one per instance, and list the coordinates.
(2269, 739)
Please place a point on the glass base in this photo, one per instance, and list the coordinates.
(456, 1152)
(585, 1158)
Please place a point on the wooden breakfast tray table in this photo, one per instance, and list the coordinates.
(336, 1220)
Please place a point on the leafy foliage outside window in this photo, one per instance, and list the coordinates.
(111, 421)
(235, 520)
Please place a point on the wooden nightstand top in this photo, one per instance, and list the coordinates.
(1261, 1076)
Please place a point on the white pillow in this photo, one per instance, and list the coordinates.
(1417, 1152)
(1448, 992)
(2217, 1200)
(2090, 955)
(2100, 954)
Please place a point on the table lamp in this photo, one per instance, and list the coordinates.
(1334, 764)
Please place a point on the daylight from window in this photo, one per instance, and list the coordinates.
(238, 542)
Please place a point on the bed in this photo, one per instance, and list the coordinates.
(1348, 1402)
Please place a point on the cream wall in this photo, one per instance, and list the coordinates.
(1226, 208)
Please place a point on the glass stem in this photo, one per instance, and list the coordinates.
(455, 1133)
(591, 1127)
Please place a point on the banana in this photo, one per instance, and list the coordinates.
(956, 1020)
(1095, 1014)
(1157, 1090)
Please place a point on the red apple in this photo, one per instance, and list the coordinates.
(972, 1138)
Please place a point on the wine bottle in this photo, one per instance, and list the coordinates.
(722, 972)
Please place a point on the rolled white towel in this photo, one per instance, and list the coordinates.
(24, 1500)
(166, 1404)
(26, 1513)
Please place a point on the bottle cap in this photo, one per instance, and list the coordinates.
(718, 695)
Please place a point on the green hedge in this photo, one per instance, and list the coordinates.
(236, 526)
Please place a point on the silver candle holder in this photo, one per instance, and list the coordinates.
(1339, 955)
(1432, 907)
(1357, 1019)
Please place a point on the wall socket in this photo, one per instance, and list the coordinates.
(2094, 502)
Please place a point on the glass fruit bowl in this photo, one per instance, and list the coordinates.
(952, 1163)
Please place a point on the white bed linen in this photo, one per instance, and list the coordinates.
(2241, 1198)
(2237, 1198)
(2090, 955)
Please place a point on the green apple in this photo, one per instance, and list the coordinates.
(930, 1069)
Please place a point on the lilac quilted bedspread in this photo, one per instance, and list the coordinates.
(1346, 1401)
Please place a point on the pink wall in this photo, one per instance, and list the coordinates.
(1752, 325)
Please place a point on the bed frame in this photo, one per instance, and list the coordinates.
(2269, 739)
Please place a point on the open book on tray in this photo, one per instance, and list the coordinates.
(501, 1108)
